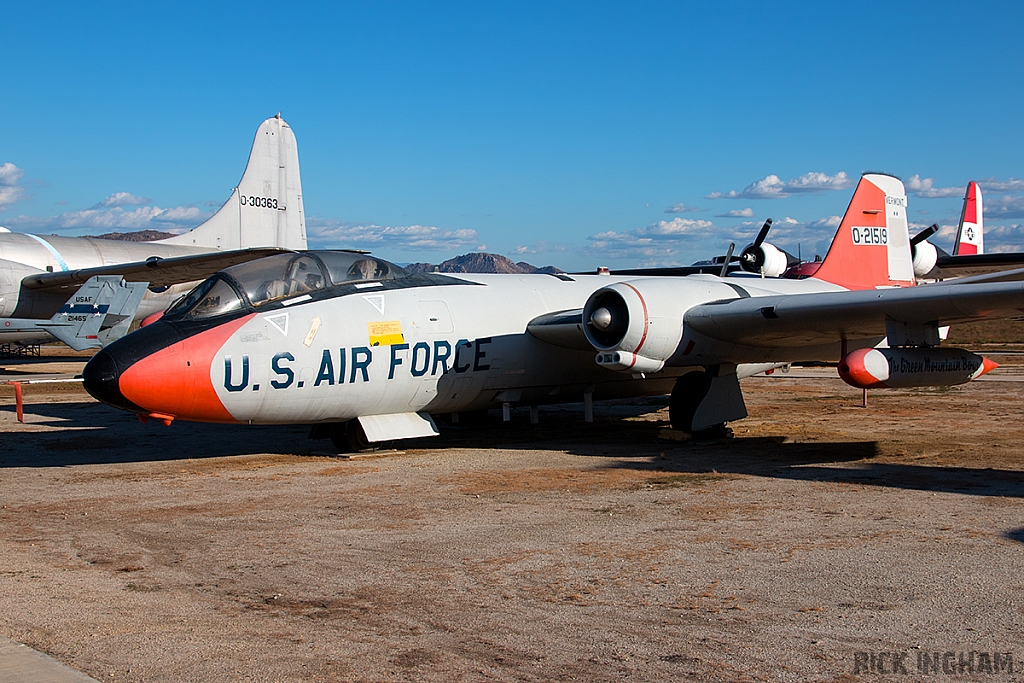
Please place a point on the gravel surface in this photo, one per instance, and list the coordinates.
(824, 541)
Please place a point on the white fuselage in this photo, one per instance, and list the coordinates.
(22, 255)
(462, 347)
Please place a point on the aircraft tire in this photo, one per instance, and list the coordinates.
(349, 437)
(688, 392)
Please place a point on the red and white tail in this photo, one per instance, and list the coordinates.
(970, 236)
(871, 249)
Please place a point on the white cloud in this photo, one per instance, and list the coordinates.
(1009, 185)
(828, 222)
(1004, 238)
(10, 174)
(1004, 207)
(773, 187)
(541, 247)
(683, 208)
(736, 213)
(10, 191)
(409, 237)
(151, 217)
(10, 194)
(653, 244)
(677, 227)
(122, 199)
(819, 182)
(924, 187)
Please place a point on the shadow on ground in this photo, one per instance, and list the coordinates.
(92, 433)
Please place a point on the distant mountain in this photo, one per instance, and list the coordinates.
(479, 262)
(140, 236)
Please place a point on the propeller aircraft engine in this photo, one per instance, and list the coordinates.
(924, 252)
(765, 258)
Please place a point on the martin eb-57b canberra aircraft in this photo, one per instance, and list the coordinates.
(352, 341)
(263, 216)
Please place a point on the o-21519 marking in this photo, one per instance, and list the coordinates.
(870, 236)
(261, 202)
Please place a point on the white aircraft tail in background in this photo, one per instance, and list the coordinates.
(263, 216)
(266, 207)
(970, 234)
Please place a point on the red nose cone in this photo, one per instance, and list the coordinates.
(151, 318)
(175, 381)
(858, 370)
(987, 366)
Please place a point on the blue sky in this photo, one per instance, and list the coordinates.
(561, 133)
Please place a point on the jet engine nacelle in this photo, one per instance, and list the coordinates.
(925, 258)
(911, 367)
(637, 325)
(766, 258)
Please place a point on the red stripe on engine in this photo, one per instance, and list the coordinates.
(646, 323)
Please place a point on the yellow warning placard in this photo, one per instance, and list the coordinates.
(385, 333)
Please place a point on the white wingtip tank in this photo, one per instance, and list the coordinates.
(872, 246)
(970, 236)
(265, 210)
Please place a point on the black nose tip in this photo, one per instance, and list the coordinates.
(100, 378)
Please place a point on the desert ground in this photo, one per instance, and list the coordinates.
(825, 541)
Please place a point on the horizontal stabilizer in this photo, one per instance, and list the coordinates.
(101, 311)
(159, 272)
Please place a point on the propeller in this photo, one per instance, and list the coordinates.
(728, 260)
(923, 235)
(749, 257)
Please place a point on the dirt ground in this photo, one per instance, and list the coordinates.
(824, 541)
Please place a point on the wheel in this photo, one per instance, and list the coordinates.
(688, 392)
(349, 437)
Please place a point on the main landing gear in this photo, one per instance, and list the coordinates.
(348, 437)
(704, 400)
(688, 392)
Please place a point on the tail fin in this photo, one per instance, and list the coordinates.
(970, 236)
(265, 210)
(99, 312)
(872, 246)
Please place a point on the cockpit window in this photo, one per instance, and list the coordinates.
(211, 298)
(278, 277)
(346, 267)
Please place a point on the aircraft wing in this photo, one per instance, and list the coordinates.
(808, 319)
(976, 264)
(159, 272)
(671, 271)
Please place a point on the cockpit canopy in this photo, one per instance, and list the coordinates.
(274, 278)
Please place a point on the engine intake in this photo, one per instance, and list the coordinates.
(637, 325)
